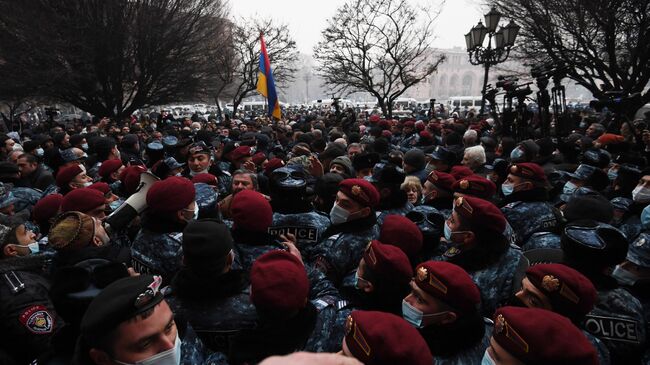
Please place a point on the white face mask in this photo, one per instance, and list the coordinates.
(338, 215)
(40, 152)
(641, 194)
(168, 357)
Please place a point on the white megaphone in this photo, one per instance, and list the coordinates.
(133, 206)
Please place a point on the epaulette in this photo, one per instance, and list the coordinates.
(13, 282)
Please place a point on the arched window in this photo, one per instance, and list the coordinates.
(468, 81)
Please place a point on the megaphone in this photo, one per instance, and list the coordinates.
(133, 206)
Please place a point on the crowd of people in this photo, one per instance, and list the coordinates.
(324, 238)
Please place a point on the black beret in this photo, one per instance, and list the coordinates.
(206, 244)
(120, 301)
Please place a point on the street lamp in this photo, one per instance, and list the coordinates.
(495, 52)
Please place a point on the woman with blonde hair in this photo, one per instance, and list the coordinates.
(413, 189)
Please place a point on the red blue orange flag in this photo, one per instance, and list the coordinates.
(265, 83)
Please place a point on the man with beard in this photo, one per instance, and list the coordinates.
(444, 305)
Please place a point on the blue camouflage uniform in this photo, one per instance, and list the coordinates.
(408, 142)
(498, 281)
(217, 308)
(308, 227)
(251, 245)
(157, 253)
(340, 253)
(527, 218)
(542, 240)
(382, 214)
(617, 319)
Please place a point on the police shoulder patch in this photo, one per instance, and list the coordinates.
(512, 205)
(37, 320)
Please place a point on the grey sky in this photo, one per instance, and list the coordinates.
(307, 18)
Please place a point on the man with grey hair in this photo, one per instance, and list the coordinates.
(474, 158)
(469, 138)
(595, 130)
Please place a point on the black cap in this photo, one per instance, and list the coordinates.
(365, 160)
(206, 245)
(120, 301)
(388, 174)
(593, 245)
(443, 154)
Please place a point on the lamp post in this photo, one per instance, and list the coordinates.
(498, 45)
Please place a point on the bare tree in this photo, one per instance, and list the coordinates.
(110, 57)
(280, 47)
(377, 46)
(604, 44)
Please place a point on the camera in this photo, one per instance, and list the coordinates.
(615, 100)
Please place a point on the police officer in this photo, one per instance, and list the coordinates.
(353, 226)
(437, 192)
(475, 236)
(444, 305)
(29, 321)
(212, 295)
(252, 216)
(130, 322)
(170, 206)
(292, 211)
(565, 291)
(474, 185)
(381, 280)
(594, 249)
(200, 159)
(388, 178)
(377, 338)
(402, 232)
(537, 336)
(525, 205)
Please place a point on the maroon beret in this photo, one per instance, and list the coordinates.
(426, 135)
(379, 338)
(409, 123)
(205, 178)
(170, 195)
(46, 208)
(480, 213)
(386, 134)
(475, 185)
(384, 124)
(82, 200)
(239, 152)
(529, 171)
(108, 167)
(279, 283)
(459, 172)
(251, 211)
(441, 180)
(102, 187)
(274, 163)
(130, 178)
(374, 118)
(258, 158)
(570, 293)
(66, 174)
(537, 336)
(388, 264)
(449, 283)
(419, 125)
(397, 230)
(361, 191)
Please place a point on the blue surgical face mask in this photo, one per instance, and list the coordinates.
(516, 154)
(645, 217)
(40, 152)
(447, 231)
(84, 146)
(115, 204)
(338, 215)
(487, 359)
(415, 316)
(507, 189)
(569, 188)
(612, 174)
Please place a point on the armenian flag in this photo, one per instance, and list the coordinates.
(265, 83)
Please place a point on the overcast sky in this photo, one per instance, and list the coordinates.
(307, 18)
